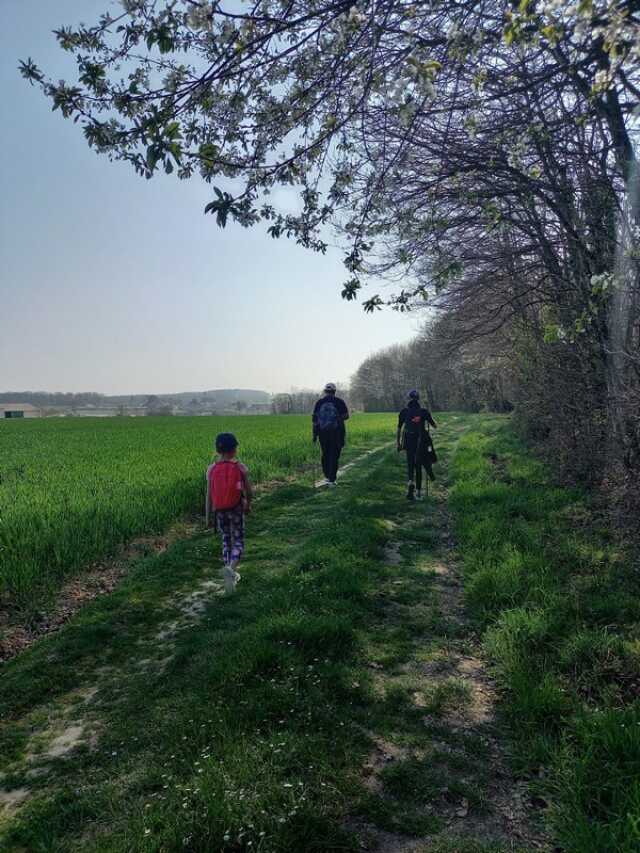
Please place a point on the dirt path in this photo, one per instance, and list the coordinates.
(442, 779)
(344, 468)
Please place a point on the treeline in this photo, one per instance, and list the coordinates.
(473, 378)
(301, 401)
(46, 399)
(221, 396)
(515, 213)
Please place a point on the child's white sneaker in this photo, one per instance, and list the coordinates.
(230, 581)
(419, 495)
(236, 575)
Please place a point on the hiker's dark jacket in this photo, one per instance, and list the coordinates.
(414, 419)
(415, 437)
(342, 410)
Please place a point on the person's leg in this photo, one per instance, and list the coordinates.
(224, 526)
(335, 457)
(411, 446)
(222, 523)
(237, 543)
(324, 446)
(237, 535)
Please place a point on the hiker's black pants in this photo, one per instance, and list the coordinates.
(331, 443)
(416, 460)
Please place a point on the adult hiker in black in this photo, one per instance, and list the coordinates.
(329, 416)
(413, 437)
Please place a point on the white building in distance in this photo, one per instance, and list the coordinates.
(19, 410)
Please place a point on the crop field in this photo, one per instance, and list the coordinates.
(73, 491)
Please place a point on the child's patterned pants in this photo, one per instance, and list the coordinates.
(230, 524)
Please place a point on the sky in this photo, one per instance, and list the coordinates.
(115, 284)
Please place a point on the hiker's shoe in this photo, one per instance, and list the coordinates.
(327, 482)
(419, 495)
(236, 575)
(229, 579)
(333, 484)
(410, 492)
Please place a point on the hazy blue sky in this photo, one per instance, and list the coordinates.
(112, 283)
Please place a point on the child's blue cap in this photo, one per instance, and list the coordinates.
(226, 442)
(413, 395)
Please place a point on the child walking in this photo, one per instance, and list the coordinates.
(229, 494)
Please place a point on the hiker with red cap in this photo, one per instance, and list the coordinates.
(329, 416)
(229, 493)
(414, 438)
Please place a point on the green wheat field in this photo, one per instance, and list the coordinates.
(73, 491)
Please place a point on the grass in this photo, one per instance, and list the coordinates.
(75, 490)
(296, 715)
(559, 604)
(249, 727)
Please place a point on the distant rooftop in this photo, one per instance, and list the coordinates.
(19, 407)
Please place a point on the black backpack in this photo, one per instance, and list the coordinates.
(327, 417)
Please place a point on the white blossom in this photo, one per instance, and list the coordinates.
(602, 79)
(356, 16)
(199, 17)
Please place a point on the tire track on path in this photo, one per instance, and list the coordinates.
(344, 468)
(439, 774)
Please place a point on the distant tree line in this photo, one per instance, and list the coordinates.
(45, 399)
(243, 401)
(302, 401)
(473, 378)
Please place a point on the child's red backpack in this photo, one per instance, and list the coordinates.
(225, 484)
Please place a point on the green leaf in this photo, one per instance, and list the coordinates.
(172, 130)
(350, 289)
(152, 157)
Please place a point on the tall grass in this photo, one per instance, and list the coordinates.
(73, 491)
(559, 603)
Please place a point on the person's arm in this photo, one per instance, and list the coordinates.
(314, 422)
(430, 419)
(207, 500)
(344, 413)
(247, 489)
(399, 432)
